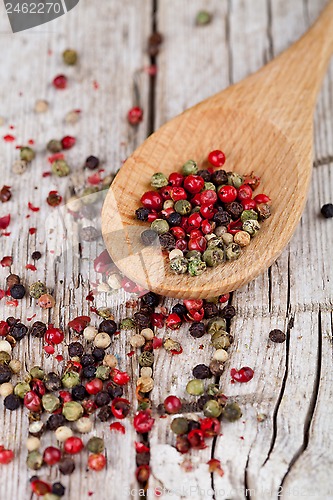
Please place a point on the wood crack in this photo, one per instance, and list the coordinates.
(228, 41)
(269, 30)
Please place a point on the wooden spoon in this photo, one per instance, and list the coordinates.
(265, 124)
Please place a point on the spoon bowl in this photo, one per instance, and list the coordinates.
(260, 129)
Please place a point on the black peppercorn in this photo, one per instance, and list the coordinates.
(66, 466)
(12, 402)
(11, 321)
(55, 421)
(91, 162)
(142, 320)
(327, 210)
(38, 329)
(151, 299)
(75, 349)
(228, 312)
(210, 310)
(104, 414)
(142, 214)
(149, 237)
(108, 326)
(221, 218)
(219, 177)
(87, 360)
(179, 309)
(205, 174)
(203, 400)
(18, 331)
(58, 489)
(277, 336)
(193, 424)
(17, 291)
(102, 398)
(115, 391)
(145, 309)
(201, 371)
(89, 371)
(36, 255)
(98, 354)
(197, 329)
(174, 219)
(52, 382)
(79, 393)
(142, 458)
(167, 241)
(11, 280)
(235, 209)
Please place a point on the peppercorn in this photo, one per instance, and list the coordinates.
(104, 414)
(216, 367)
(205, 174)
(11, 280)
(216, 324)
(220, 355)
(17, 291)
(18, 331)
(146, 358)
(54, 146)
(196, 267)
(15, 365)
(50, 403)
(33, 443)
(212, 409)
(36, 428)
(60, 168)
(221, 340)
(37, 289)
(70, 379)
(83, 425)
(4, 356)
(201, 371)
(21, 388)
(142, 214)
(58, 489)
(72, 411)
(235, 179)
(179, 265)
(142, 458)
(66, 466)
(242, 238)
(5, 194)
(234, 209)
(183, 207)
(264, 211)
(197, 329)
(210, 310)
(52, 382)
(12, 402)
(38, 329)
(115, 391)
(213, 256)
(79, 393)
(27, 154)
(327, 210)
(167, 241)
(232, 412)
(92, 162)
(137, 340)
(228, 312)
(6, 389)
(98, 354)
(89, 372)
(149, 237)
(69, 57)
(142, 320)
(5, 374)
(251, 226)
(154, 41)
(55, 421)
(160, 226)
(46, 301)
(95, 445)
(63, 432)
(233, 251)
(174, 219)
(75, 349)
(37, 372)
(189, 168)
(102, 340)
(102, 398)
(195, 387)
(249, 215)
(34, 460)
(158, 180)
(277, 336)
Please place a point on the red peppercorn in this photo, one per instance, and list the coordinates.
(79, 323)
(40, 488)
(196, 439)
(193, 304)
(38, 387)
(4, 328)
(196, 200)
(60, 82)
(120, 378)
(194, 183)
(54, 335)
(243, 375)
(206, 227)
(194, 221)
(6, 456)
(172, 404)
(181, 245)
(118, 427)
(224, 298)
(210, 426)
(65, 396)
(165, 192)
(178, 232)
(152, 216)
(135, 115)
(176, 179)
(184, 224)
(178, 193)
(249, 204)
(235, 226)
(152, 199)
(96, 462)
(207, 211)
(120, 407)
(143, 421)
(262, 198)
(166, 212)
(173, 321)
(199, 244)
(195, 233)
(244, 192)
(73, 445)
(68, 142)
(51, 455)
(32, 402)
(227, 194)
(157, 320)
(208, 197)
(89, 406)
(94, 386)
(216, 158)
(194, 315)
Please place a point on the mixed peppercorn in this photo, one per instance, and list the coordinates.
(202, 217)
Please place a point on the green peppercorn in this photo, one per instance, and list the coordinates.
(216, 324)
(203, 18)
(218, 334)
(37, 372)
(70, 379)
(195, 210)
(72, 411)
(251, 227)
(235, 179)
(127, 324)
(5, 358)
(105, 313)
(195, 387)
(60, 168)
(27, 154)
(215, 242)
(103, 372)
(212, 409)
(179, 425)
(159, 180)
(249, 215)
(37, 289)
(50, 403)
(171, 345)
(95, 445)
(196, 267)
(233, 250)
(213, 256)
(190, 167)
(221, 342)
(160, 226)
(69, 57)
(213, 390)
(146, 358)
(193, 254)
(34, 460)
(54, 146)
(90, 195)
(183, 207)
(209, 186)
(232, 412)
(21, 388)
(178, 265)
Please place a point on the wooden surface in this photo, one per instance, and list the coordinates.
(289, 453)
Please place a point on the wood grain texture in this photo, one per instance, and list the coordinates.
(292, 385)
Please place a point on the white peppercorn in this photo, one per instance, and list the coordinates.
(146, 372)
(175, 253)
(6, 389)
(19, 167)
(32, 443)
(110, 360)
(5, 346)
(220, 355)
(147, 333)
(15, 365)
(102, 340)
(63, 432)
(89, 333)
(137, 340)
(83, 425)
